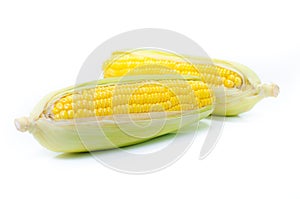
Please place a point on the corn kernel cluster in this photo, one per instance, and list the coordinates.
(141, 97)
(211, 74)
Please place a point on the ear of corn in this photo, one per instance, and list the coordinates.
(156, 62)
(116, 112)
(237, 88)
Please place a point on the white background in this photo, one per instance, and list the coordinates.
(42, 47)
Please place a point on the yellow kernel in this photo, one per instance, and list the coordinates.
(91, 105)
(69, 98)
(231, 77)
(96, 95)
(206, 93)
(70, 114)
(59, 106)
(90, 97)
(79, 104)
(63, 100)
(74, 106)
(105, 111)
(95, 112)
(94, 104)
(109, 111)
(228, 72)
(67, 106)
(64, 114)
(105, 103)
(136, 108)
(84, 103)
(163, 106)
(131, 108)
(100, 111)
(57, 117)
(237, 81)
(222, 73)
(202, 85)
(55, 110)
(199, 104)
(79, 113)
(85, 113)
(98, 103)
(209, 100)
(203, 102)
(228, 83)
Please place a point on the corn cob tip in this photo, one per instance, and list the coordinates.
(22, 124)
(271, 90)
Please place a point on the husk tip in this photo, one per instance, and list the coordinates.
(22, 124)
(271, 90)
(276, 90)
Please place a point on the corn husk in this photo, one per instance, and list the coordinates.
(98, 133)
(229, 101)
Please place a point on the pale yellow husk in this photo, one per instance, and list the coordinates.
(90, 134)
(229, 101)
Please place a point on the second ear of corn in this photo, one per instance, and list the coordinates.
(144, 94)
(237, 88)
(116, 112)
